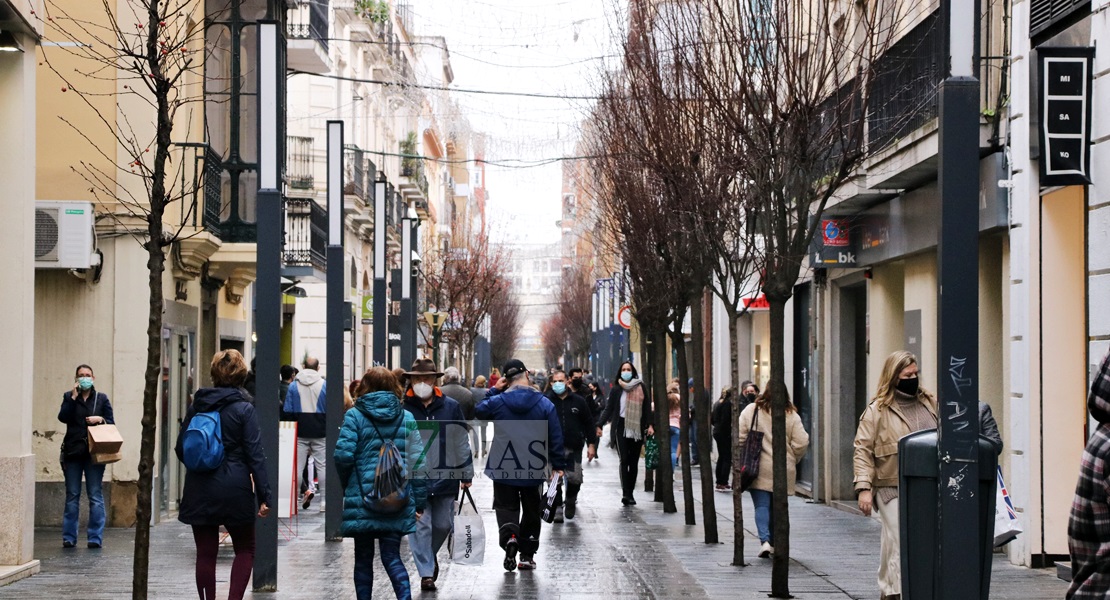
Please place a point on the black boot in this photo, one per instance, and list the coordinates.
(572, 500)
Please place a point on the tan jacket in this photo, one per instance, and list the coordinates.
(797, 442)
(875, 460)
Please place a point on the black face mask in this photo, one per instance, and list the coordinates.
(750, 397)
(907, 386)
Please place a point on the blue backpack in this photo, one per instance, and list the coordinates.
(202, 444)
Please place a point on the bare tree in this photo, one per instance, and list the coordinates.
(576, 312)
(505, 322)
(792, 83)
(144, 59)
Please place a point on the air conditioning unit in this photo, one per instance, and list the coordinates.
(64, 235)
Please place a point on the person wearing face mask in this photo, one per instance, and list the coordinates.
(630, 410)
(900, 407)
(83, 406)
(577, 421)
(448, 462)
(721, 420)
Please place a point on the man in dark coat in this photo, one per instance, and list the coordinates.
(516, 408)
(1089, 526)
(447, 464)
(577, 421)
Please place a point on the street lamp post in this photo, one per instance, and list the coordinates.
(336, 296)
(435, 321)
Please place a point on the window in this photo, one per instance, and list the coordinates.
(1045, 14)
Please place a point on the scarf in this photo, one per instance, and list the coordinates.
(634, 408)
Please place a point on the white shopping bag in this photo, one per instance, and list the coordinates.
(467, 544)
(1006, 523)
(553, 498)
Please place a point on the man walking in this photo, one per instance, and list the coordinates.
(1088, 530)
(454, 389)
(521, 414)
(447, 464)
(306, 401)
(577, 421)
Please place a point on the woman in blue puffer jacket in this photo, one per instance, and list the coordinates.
(378, 409)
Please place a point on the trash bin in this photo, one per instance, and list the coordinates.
(918, 472)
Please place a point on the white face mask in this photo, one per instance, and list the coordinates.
(422, 390)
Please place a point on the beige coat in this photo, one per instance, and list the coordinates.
(797, 442)
(875, 460)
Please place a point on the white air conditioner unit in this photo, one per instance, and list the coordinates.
(64, 235)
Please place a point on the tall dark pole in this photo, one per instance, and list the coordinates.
(958, 569)
(333, 492)
(267, 289)
(381, 311)
(408, 303)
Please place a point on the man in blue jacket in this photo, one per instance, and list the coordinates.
(516, 462)
(447, 464)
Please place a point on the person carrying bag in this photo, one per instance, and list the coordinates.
(467, 544)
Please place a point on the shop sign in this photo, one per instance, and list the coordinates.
(1065, 111)
(758, 303)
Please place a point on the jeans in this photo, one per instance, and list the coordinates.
(764, 519)
(674, 446)
(94, 478)
(207, 540)
(390, 545)
(519, 511)
(318, 449)
(432, 530)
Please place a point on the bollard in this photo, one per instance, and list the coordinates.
(918, 511)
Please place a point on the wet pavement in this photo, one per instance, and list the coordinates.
(608, 551)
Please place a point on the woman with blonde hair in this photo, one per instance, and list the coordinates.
(234, 493)
(900, 407)
(757, 417)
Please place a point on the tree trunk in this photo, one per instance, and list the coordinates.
(780, 567)
(737, 495)
(664, 474)
(701, 416)
(684, 423)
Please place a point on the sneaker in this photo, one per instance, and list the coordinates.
(559, 514)
(510, 554)
(94, 545)
(427, 584)
(306, 500)
(527, 563)
(66, 544)
(568, 511)
(766, 550)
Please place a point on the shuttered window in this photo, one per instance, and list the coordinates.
(1043, 14)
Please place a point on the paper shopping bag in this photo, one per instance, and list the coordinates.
(467, 544)
(1006, 523)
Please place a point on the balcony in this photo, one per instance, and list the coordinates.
(304, 253)
(308, 36)
(298, 162)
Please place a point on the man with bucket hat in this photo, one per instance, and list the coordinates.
(447, 464)
(525, 424)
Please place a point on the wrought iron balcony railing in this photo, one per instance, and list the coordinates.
(298, 162)
(306, 225)
(308, 20)
(907, 78)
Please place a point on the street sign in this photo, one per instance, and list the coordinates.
(624, 317)
(1065, 112)
(367, 309)
(435, 319)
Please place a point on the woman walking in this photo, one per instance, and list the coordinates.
(900, 407)
(376, 418)
(629, 409)
(236, 491)
(81, 407)
(721, 421)
(757, 417)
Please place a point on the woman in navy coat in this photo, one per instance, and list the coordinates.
(226, 496)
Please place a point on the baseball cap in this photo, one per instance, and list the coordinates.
(512, 368)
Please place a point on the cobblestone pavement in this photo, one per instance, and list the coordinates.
(608, 551)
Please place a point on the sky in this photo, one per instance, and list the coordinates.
(550, 47)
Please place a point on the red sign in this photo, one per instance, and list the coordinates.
(624, 317)
(834, 232)
(758, 303)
